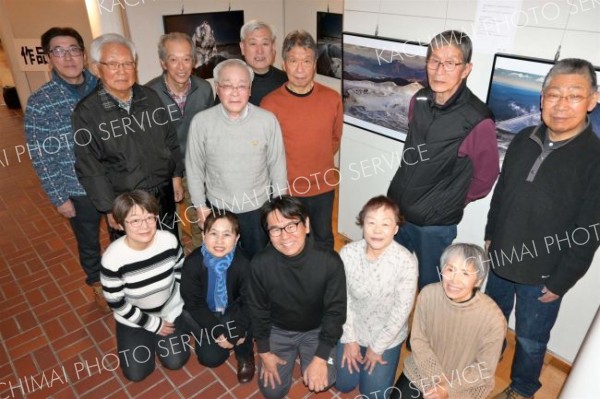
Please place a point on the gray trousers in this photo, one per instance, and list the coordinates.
(288, 345)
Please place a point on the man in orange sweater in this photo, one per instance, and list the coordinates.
(311, 117)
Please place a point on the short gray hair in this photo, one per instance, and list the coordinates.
(472, 254)
(454, 38)
(300, 38)
(109, 38)
(232, 62)
(253, 25)
(572, 66)
(174, 36)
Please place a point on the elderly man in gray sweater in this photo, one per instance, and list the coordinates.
(235, 157)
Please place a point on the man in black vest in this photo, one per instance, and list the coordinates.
(456, 161)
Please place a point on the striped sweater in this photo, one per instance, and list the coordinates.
(142, 287)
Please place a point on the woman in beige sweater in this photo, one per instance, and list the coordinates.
(457, 333)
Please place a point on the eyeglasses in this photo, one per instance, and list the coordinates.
(571, 98)
(60, 52)
(449, 65)
(289, 228)
(230, 88)
(114, 66)
(137, 223)
(450, 271)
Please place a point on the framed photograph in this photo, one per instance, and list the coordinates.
(329, 44)
(514, 96)
(379, 78)
(216, 36)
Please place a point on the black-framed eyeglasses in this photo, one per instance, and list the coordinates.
(114, 66)
(137, 222)
(60, 52)
(449, 65)
(289, 228)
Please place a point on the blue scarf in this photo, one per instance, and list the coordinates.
(216, 296)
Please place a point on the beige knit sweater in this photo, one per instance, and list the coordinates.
(455, 345)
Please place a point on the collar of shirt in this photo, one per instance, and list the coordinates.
(180, 100)
(110, 101)
(243, 114)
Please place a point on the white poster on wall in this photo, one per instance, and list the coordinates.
(31, 56)
(496, 26)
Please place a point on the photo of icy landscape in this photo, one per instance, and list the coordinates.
(514, 97)
(329, 44)
(379, 79)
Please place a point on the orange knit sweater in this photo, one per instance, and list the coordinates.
(311, 125)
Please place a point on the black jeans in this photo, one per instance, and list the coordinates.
(137, 348)
(320, 211)
(86, 227)
(209, 353)
(166, 209)
(253, 237)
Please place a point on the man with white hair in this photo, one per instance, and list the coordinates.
(184, 95)
(124, 138)
(258, 48)
(235, 157)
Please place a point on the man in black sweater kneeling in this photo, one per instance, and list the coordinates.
(297, 302)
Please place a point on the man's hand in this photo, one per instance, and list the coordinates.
(223, 343)
(548, 296)
(112, 222)
(371, 359)
(177, 189)
(352, 356)
(315, 375)
(166, 328)
(202, 213)
(439, 391)
(240, 341)
(268, 371)
(67, 209)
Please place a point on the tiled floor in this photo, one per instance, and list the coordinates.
(56, 344)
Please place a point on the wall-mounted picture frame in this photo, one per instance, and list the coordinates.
(514, 96)
(216, 36)
(329, 44)
(379, 77)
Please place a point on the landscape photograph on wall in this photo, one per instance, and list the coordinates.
(216, 37)
(379, 78)
(329, 44)
(514, 96)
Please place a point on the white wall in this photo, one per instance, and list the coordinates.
(540, 26)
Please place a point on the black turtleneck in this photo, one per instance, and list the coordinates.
(298, 293)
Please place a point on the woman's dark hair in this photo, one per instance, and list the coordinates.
(217, 214)
(376, 203)
(56, 31)
(126, 201)
(289, 207)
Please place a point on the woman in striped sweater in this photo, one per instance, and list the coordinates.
(140, 277)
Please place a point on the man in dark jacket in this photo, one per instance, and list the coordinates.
(543, 223)
(124, 138)
(297, 301)
(450, 155)
(184, 95)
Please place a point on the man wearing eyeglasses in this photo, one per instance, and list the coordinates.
(457, 159)
(124, 136)
(547, 201)
(184, 95)
(297, 301)
(50, 139)
(235, 158)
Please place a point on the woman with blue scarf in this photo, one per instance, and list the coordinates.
(213, 287)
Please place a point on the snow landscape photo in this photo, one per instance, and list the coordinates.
(380, 77)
